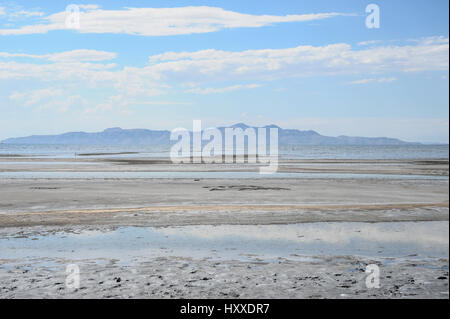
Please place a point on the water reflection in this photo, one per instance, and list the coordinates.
(265, 242)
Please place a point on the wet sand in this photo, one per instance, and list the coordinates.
(316, 260)
(431, 167)
(30, 206)
(173, 277)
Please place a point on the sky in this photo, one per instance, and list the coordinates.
(162, 64)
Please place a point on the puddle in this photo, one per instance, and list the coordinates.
(260, 243)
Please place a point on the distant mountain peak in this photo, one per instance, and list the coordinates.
(240, 125)
(113, 130)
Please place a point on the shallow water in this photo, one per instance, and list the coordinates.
(266, 243)
(47, 163)
(285, 151)
(206, 175)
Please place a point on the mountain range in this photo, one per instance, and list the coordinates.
(112, 136)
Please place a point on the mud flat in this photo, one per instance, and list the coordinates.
(225, 236)
(318, 260)
(109, 163)
(173, 277)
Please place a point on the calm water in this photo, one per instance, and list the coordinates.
(307, 152)
(207, 175)
(240, 242)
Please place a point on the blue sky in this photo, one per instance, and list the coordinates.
(161, 64)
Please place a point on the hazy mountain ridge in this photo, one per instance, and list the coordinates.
(120, 136)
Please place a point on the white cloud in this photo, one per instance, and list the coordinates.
(362, 81)
(70, 66)
(161, 21)
(88, 6)
(26, 14)
(432, 40)
(329, 60)
(63, 103)
(16, 12)
(207, 66)
(380, 80)
(33, 97)
(81, 55)
(386, 80)
(232, 88)
(17, 55)
(16, 96)
(370, 42)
